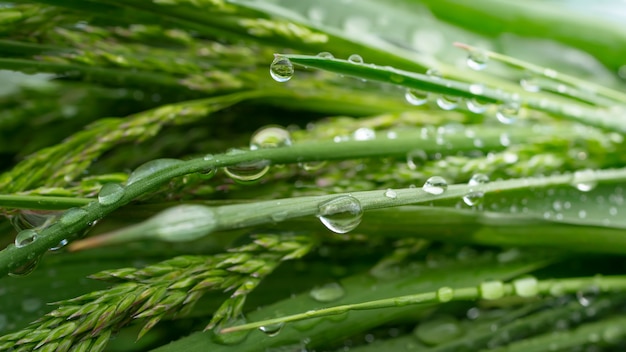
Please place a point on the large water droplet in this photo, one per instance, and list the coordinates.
(445, 294)
(584, 180)
(272, 330)
(25, 237)
(364, 134)
(446, 102)
(281, 69)
(270, 137)
(438, 330)
(507, 112)
(150, 168)
(435, 185)
(25, 269)
(416, 157)
(355, 59)
(416, 97)
(232, 338)
(477, 60)
(491, 290)
(247, 172)
(72, 216)
(341, 214)
(526, 287)
(325, 55)
(110, 193)
(327, 293)
(476, 194)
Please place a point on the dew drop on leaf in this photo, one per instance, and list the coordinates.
(72, 216)
(248, 172)
(475, 106)
(507, 112)
(355, 59)
(60, 245)
(391, 194)
(364, 134)
(272, 330)
(584, 180)
(435, 185)
(526, 287)
(477, 60)
(25, 237)
(438, 330)
(312, 165)
(150, 168)
(341, 214)
(445, 294)
(491, 290)
(325, 55)
(475, 195)
(110, 193)
(529, 83)
(415, 158)
(416, 97)
(445, 102)
(281, 69)
(232, 338)
(270, 137)
(25, 269)
(327, 293)
(433, 73)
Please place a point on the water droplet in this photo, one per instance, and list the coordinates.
(72, 216)
(110, 193)
(391, 194)
(435, 185)
(507, 112)
(327, 293)
(364, 134)
(248, 172)
(529, 83)
(433, 73)
(491, 290)
(445, 294)
(416, 157)
(587, 296)
(526, 287)
(438, 330)
(416, 97)
(446, 102)
(325, 55)
(281, 69)
(232, 338)
(355, 59)
(272, 330)
(25, 237)
(208, 174)
(150, 168)
(312, 165)
(475, 195)
(270, 137)
(477, 60)
(60, 245)
(341, 214)
(25, 269)
(584, 180)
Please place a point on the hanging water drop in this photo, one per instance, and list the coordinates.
(270, 137)
(435, 185)
(391, 194)
(415, 158)
(529, 83)
(364, 134)
(25, 269)
(507, 112)
(25, 237)
(231, 338)
(325, 55)
(477, 60)
(281, 69)
(341, 214)
(355, 59)
(248, 172)
(416, 97)
(446, 102)
(312, 165)
(110, 194)
(27, 219)
(584, 180)
(272, 330)
(439, 330)
(150, 168)
(476, 106)
(476, 194)
(60, 245)
(327, 293)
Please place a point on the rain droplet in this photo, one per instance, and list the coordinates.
(438, 330)
(491, 290)
(72, 216)
(585, 297)
(445, 294)
(272, 330)
(415, 158)
(475, 106)
(312, 165)
(355, 59)
(391, 194)
(584, 180)
(446, 102)
(110, 193)
(477, 60)
(60, 245)
(433, 73)
(364, 134)
(476, 194)
(507, 112)
(281, 69)
(25, 269)
(325, 55)
(327, 293)
(25, 237)
(526, 287)
(248, 172)
(341, 214)
(232, 338)
(435, 185)
(207, 175)
(270, 137)
(529, 83)
(416, 97)
(150, 168)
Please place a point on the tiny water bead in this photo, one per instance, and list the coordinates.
(281, 69)
(325, 55)
(475, 195)
(477, 60)
(446, 102)
(508, 112)
(415, 158)
(364, 134)
(416, 97)
(391, 194)
(529, 83)
(327, 293)
(445, 294)
(584, 180)
(526, 287)
(491, 290)
(272, 330)
(25, 237)
(110, 193)
(150, 168)
(355, 59)
(435, 185)
(341, 214)
(433, 73)
(270, 137)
